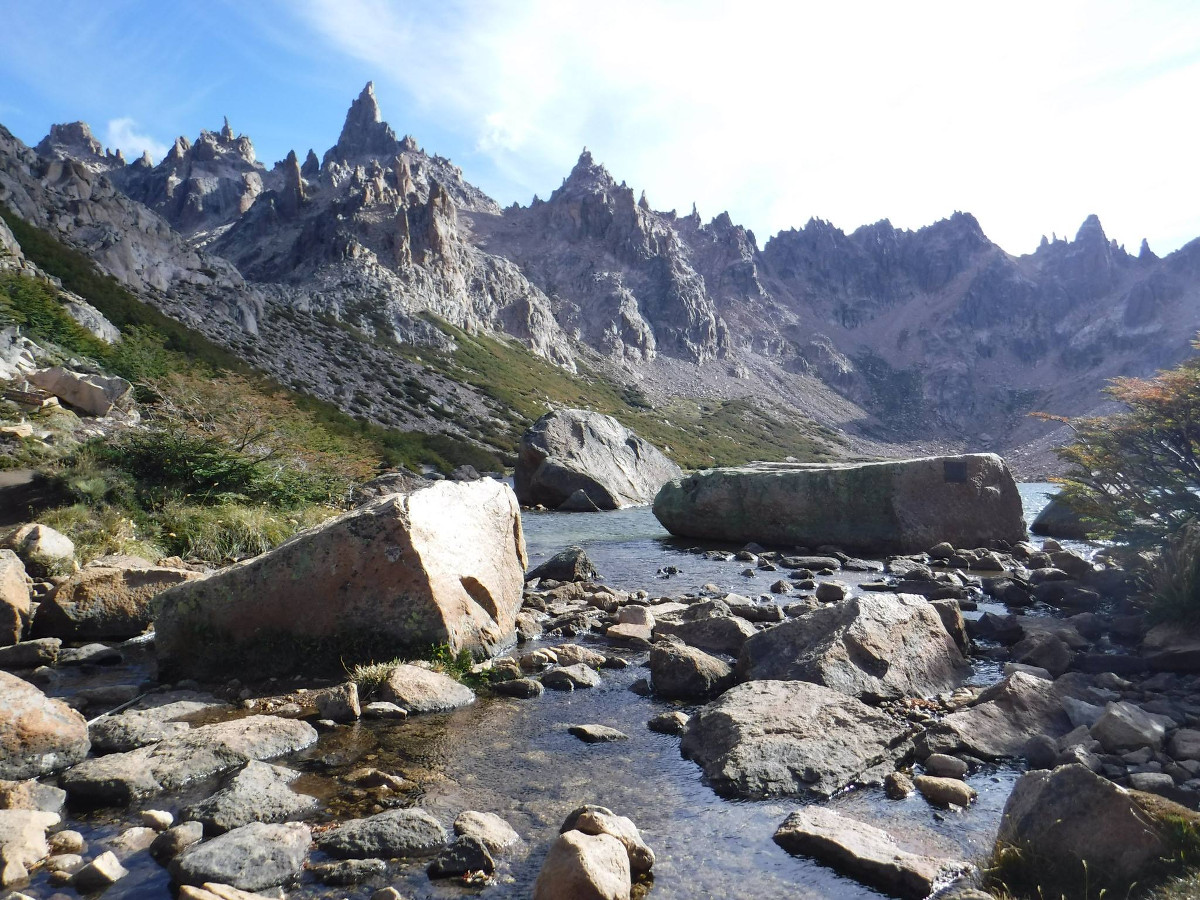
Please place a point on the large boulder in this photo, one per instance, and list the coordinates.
(38, 735)
(863, 852)
(572, 450)
(94, 395)
(14, 598)
(1057, 520)
(106, 602)
(1070, 832)
(895, 506)
(790, 738)
(875, 647)
(441, 566)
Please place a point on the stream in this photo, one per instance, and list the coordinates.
(515, 758)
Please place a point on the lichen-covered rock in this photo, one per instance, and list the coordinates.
(571, 450)
(249, 858)
(440, 566)
(896, 506)
(38, 735)
(106, 602)
(397, 832)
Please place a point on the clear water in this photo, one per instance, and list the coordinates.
(516, 759)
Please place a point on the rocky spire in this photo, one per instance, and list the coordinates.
(179, 149)
(364, 134)
(643, 202)
(226, 131)
(312, 167)
(291, 195)
(1145, 253)
(1091, 232)
(145, 162)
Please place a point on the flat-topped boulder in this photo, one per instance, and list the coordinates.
(441, 566)
(891, 506)
(790, 738)
(569, 451)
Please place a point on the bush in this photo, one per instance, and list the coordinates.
(1174, 579)
(1135, 476)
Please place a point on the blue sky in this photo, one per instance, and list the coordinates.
(1029, 115)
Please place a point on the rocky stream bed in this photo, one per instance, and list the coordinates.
(516, 751)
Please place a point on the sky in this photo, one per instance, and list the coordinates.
(1030, 115)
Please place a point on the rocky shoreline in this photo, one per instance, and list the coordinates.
(850, 674)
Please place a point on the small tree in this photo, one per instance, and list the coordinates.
(1135, 475)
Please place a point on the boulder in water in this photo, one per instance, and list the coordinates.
(894, 506)
(1057, 520)
(572, 450)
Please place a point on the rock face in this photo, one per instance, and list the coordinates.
(875, 647)
(444, 565)
(574, 450)
(881, 507)
(863, 852)
(788, 738)
(38, 735)
(106, 602)
(1071, 831)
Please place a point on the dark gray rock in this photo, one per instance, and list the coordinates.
(462, 855)
(568, 565)
(781, 738)
(686, 673)
(260, 792)
(250, 858)
(397, 832)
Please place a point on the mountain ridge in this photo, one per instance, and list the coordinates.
(898, 337)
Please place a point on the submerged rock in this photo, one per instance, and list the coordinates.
(150, 720)
(441, 566)
(862, 852)
(397, 832)
(572, 450)
(178, 761)
(789, 738)
(878, 646)
(900, 506)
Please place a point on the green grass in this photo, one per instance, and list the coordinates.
(1175, 579)
(370, 677)
(697, 433)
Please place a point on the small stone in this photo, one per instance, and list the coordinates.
(133, 840)
(158, 819)
(349, 871)
(67, 842)
(832, 591)
(381, 709)
(597, 734)
(669, 723)
(897, 786)
(520, 688)
(102, 872)
(387, 893)
(943, 766)
(944, 791)
(570, 678)
(339, 703)
(175, 840)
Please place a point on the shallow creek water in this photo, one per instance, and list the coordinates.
(515, 758)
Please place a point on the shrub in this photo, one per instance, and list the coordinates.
(1135, 475)
(1174, 578)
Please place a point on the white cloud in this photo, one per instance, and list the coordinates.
(123, 134)
(1029, 115)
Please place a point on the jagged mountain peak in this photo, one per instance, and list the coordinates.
(588, 176)
(74, 140)
(1145, 253)
(365, 134)
(1091, 231)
